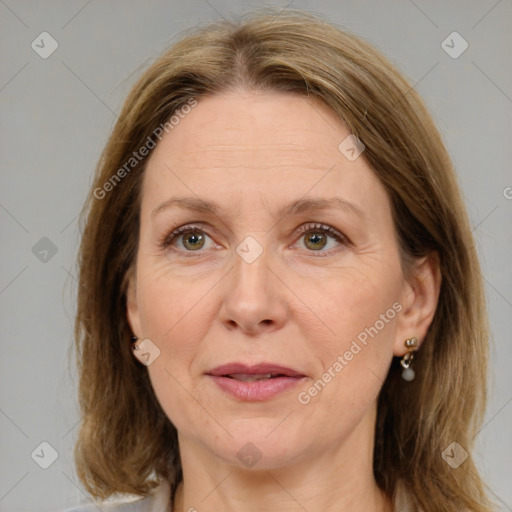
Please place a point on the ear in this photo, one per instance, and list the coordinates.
(132, 309)
(419, 298)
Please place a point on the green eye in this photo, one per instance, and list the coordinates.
(315, 240)
(187, 239)
(193, 240)
(320, 238)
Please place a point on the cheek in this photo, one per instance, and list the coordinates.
(352, 364)
(353, 331)
(354, 299)
(176, 317)
(168, 304)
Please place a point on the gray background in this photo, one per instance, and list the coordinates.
(57, 113)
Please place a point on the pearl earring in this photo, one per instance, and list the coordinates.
(408, 373)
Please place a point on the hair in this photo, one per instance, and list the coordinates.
(126, 443)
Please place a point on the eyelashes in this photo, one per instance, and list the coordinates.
(312, 230)
(196, 234)
(193, 239)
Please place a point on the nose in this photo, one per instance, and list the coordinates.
(254, 299)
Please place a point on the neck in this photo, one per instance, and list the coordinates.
(334, 480)
(269, 493)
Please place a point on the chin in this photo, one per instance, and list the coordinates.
(258, 447)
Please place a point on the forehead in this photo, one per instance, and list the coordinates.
(251, 125)
(257, 148)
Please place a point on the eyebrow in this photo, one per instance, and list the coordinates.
(295, 208)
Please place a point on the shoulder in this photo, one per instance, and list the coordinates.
(157, 501)
(402, 501)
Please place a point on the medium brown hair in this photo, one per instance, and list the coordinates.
(126, 443)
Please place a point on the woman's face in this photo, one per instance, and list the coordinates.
(284, 253)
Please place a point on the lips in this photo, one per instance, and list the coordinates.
(254, 383)
(260, 371)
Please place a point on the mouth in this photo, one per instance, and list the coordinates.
(261, 371)
(255, 383)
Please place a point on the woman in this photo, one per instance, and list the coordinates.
(280, 303)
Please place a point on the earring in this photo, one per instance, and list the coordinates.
(408, 373)
(133, 340)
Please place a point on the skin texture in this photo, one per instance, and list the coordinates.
(252, 154)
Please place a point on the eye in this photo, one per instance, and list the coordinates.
(317, 237)
(187, 238)
(313, 237)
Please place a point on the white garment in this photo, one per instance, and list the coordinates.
(159, 501)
